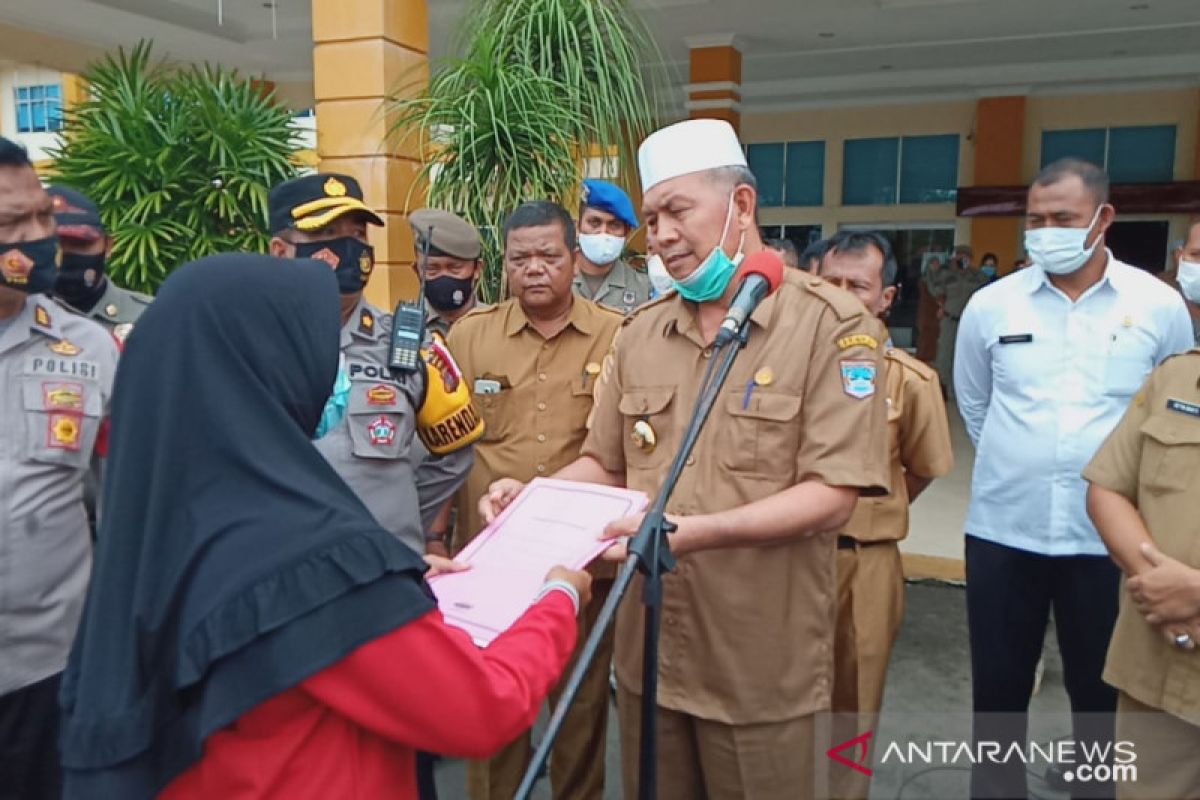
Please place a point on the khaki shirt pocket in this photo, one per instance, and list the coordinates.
(1170, 454)
(759, 436)
(380, 420)
(62, 420)
(496, 408)
(648, 427)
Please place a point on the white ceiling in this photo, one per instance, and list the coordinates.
(796, 52)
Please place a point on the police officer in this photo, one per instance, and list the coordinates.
(370, 431)
(606, 218)
(454, 267)
(56, 376)
(533, 362)
(870, 573)
(952, 286)
(82, 283)
(748, 616)
(1144, 482)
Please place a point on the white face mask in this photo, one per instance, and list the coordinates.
(601, 248)
(1189, 280)
(1061, 251)
(660, 279)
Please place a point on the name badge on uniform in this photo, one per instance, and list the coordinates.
(1017, 338)
(487, 386)
(1191, 409)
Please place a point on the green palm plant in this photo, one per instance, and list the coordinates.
(540, 86)
(178, 160)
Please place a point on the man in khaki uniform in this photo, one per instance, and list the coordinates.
(532, 363)
(952, 286)
(56, 379)
(606, 218)
(870, 573)
(746, 655)
(454, 268)
(82, 283)
(1144, 483)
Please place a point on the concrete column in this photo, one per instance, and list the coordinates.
(715, 79)
(999, 150)
(364, 50)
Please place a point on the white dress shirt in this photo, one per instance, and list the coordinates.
(1041, 382)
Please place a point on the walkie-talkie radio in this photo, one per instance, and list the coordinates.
(408, 322)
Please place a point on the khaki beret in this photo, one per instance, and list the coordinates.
(452, 234)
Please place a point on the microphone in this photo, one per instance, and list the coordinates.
(760, 274)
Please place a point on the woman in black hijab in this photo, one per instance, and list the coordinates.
(250, 630)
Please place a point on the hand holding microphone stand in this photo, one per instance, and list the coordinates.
(649, 549)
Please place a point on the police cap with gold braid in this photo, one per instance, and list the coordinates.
(311, 202)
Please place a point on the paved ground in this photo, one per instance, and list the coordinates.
(928, 693)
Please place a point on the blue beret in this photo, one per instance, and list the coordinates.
(609, 197)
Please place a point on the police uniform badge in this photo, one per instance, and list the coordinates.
(64, 348)
(366, 323)
(64, 432)
(858, 378)
(365, 265)
(381, 395)
(335, 188)
(629, 297)
(41, 317)
(382, 431)
(16, 266)
(62, 396)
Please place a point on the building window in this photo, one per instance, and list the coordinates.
(870, 172)
(788, 174)
(908, 169)
(929, 169)
(1138, 154)
(39, 108)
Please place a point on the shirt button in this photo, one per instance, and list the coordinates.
(541, 406)
(707, 352)
(541, 437)
(542, 376)
(691, 461)
(541, 468)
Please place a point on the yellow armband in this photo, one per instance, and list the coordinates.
(447, 421)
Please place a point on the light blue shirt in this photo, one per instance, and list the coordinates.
(1041, 382)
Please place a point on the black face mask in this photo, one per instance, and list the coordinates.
(81, 279)
(447, 293)
(351, 260)
(29, 267)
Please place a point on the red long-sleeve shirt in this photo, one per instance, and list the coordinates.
(351, 731)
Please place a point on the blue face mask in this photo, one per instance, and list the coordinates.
(335, 406)
(988, 270)
(710, 280)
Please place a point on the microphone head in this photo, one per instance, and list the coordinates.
(766, 263)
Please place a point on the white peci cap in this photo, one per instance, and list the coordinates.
(693, 145)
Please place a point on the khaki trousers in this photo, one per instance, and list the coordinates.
(870, 611)
(1168, 753)
(705, 760)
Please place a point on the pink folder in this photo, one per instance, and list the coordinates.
(551, 522)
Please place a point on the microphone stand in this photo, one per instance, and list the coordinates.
(649, 553)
